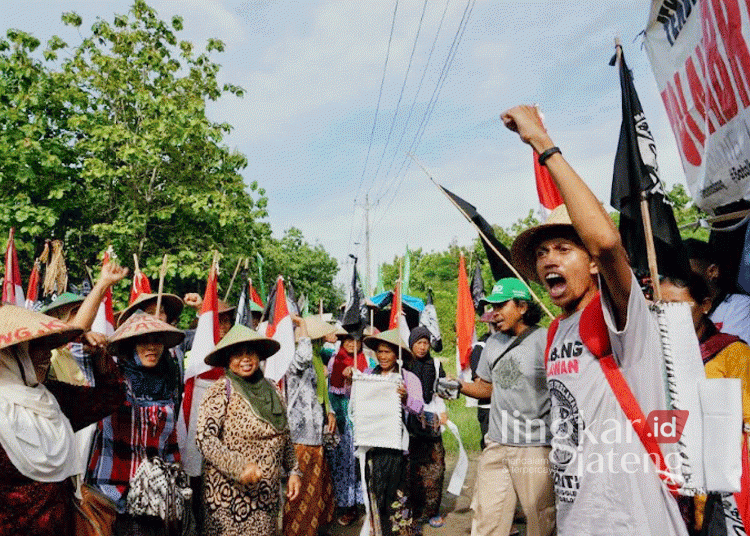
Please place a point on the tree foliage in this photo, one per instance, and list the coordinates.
(114, 147)
(309, 268)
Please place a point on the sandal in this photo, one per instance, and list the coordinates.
(437, 522)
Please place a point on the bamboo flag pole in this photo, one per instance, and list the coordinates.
(231, 281)
(486, 240)
(162, 274)
(400, 311)
(320, 307)
(135, 261)
(646, 217)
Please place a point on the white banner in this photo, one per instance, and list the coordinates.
(701, 61)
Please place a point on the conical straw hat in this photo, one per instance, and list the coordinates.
(66, 298)
(392, 336)
(239, 334)
(142, 324)
(523, 250)
(317, 327)
(172, 306)
(20, 325)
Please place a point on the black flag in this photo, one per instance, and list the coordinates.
(498, 267)
(353, 318)
(636, 172)
(477, 289)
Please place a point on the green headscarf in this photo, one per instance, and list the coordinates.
(262, 397)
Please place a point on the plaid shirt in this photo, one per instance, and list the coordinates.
(138, 430)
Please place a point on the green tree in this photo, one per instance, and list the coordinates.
(114, 147)
(309, 268)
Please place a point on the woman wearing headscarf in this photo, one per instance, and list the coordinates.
(310, 415)
(341, 367)
(243, 435)
(145, 425)
(426, 451)
(387, 470)
(37, 423)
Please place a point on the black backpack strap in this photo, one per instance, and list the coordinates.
(519, 339)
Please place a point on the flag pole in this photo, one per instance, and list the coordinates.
(508, 264)
(646, 217)
(320, 307)
(162, 274)
(135, 261)
(231, 281)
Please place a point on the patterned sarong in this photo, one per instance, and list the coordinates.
(314, 506)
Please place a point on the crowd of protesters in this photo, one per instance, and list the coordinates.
(90, 442)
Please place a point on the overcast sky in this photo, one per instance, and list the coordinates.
(313, 71)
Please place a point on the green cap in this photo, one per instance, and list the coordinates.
(507, 289)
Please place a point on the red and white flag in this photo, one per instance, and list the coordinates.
(12, 289)
(398, 319)
(104, 322)
(32, 292)
(549, 195)
(279, 327)
(198, 375)
(141, 285)
(546, 189)
(465, 329)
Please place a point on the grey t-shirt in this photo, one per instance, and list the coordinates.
(520, 407)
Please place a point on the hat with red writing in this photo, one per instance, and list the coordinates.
(21, 325)
(142, 324)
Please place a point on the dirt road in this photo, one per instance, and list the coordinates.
(458, 520)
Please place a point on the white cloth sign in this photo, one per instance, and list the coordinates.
(700, 56)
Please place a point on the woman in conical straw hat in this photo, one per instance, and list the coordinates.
(343, 463)
(243, 434)
(145, 425)
(310, 415)
(387, 469)
(37, 423)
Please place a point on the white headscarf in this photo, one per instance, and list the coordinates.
(35, 434)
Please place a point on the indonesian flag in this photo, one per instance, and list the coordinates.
(12, 290)
(546, 189)
(279, 327)
(398, 319)
(32, 292)
(465, 330)
(549, 195)
(141, 285)
(198, 375)
(104, 322)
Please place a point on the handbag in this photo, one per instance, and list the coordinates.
(159, 488)
(94, 514)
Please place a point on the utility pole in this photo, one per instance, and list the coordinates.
(368, 291)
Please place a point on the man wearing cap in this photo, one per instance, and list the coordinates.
(515, 460)
(600, 489)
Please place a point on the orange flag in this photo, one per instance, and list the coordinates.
(465, 330)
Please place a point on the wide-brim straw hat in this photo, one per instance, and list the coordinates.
(172, 306)
(239, 334)
(523, 250)
(66, 298)
(141, 324)
(19, 325)
(392, 337)
(317, 328)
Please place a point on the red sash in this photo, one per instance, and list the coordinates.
(594, 335)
